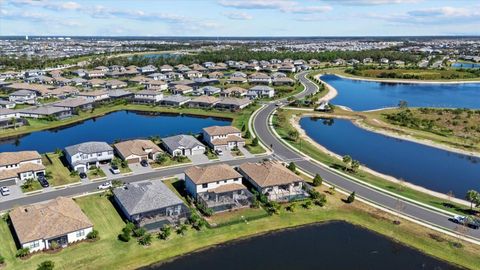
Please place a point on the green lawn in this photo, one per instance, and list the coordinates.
(169, 162)
(109, 253)
(59, 173)
(95, 174)
(33, 187)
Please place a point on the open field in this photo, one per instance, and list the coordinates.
(110, 253)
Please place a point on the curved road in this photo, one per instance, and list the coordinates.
(284, 153)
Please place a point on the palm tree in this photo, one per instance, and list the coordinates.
(473, 197)
(347, 159)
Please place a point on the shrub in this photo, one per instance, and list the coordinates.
(2, 260)
(23, 252)
(139, 232)
(314, 194)
(165, 232)
(272, 207)
(255, 141)
(46, 265)
(145, 239)
(92, 235)
(54, 245)
(351, 198)
(291, 207)
(307, 204)
(182, 229)
(125, 237)
(292, 167)
(317, 180)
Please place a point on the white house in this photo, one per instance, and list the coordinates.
(23, 97)
(83, 156)
(20, 165)
(223, 137)
(93, 96)
(183, 145)
(261, 91)
(60, 220)
(260, 78)
(147, 69)
(148, 96)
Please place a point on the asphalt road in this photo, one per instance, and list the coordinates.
(286, 154)
(82, 189)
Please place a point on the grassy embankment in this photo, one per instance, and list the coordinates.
(386, 74)
(110, 253)
(284, 130)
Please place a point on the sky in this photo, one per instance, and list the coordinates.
(239, 17)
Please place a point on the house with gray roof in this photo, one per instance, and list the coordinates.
(175, 100)
(74, 104)
(84, 156)
(23, 97)
(45, 111)
(183, 145)
(150, 204)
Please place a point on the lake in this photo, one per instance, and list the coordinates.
(154, 56)
(119, 125)
(432, 168)
(368, 95)
(332, 246)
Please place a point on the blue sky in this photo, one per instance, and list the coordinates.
(240, 17)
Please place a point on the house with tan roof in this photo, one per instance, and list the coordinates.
(180, 89)
(20, 166)
(233, 104)
(60, 220)
(274, 180)
(223, 137)
(234, 92)
(259, 78)
(203, 101)
(134, 151)
(218, 187)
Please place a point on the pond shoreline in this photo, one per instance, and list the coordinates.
(403, 81)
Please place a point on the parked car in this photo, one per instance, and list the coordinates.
(43, 181)
(467, 221)
(219, 152)
(5, 191)
(115, 169)
(105, 185)
(144, 163)
(83, 175)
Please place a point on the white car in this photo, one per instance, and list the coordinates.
(219, 152)
(5, 191)
(115, 169)
(105, 185)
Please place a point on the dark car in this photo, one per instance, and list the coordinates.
(144, 163)
(43, 181)
(83, 175)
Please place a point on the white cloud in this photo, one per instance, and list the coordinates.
(233, 15)
(372, 2)
(36, 17)
(52, 5)
(440, 15)
(287, 6)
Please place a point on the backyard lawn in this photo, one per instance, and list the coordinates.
(58, 172)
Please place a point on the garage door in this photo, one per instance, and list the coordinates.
(133, 160)
(10, 182)
(198, 151)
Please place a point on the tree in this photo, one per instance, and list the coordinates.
(139, 232)
(255, 141)
(293, 135)
(347, 160)
(46, 265)
(317, 180)
(93, 234)
(291, 207)
(182, 229)
(351, 198)
(473, 197)
(292, 167)
(145, 240)
(307, 204)
(247, 134)
(355, 165)
(161, 158)
(165, 232)
(23, 252)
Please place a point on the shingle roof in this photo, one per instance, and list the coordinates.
(221, 130)
(48, 220)
(145, 197)
(185, 141)
(88, 148)
(269, 173)
(136, 147)
(8, 158)
(72, 102)
(213, 173)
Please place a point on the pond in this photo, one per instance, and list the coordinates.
(368, 95)
(466, 65)
(332, 246)
(119, 125)
(432, 168)
(154, 56)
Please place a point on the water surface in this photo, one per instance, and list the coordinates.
(368, 95)
(332, 246)
(119, 125)
(432, 168)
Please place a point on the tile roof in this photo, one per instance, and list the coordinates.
(136, 147)
(9, 158)
(212, 173)
(48, 220)
(269, 173)
(221, 130)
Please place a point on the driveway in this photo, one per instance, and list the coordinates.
(106, 169)
(245, 152)
(138, 169)
(199, 159)
(15, 192)
(227, 155)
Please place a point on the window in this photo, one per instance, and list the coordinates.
(35, 244)
(204, 185)
(99, 154)
(80, 233)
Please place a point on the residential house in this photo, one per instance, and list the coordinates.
(191, 74)
(287, 68)
(175, 100)
(156, 85)
(75, 104)
(114, 84)
(20, 166)
(148, 96)
(60, 220)
(384, 61)
(237, 80)
(83, 156)
(45, 112)
(94, 74)
(157, 76)
(181, 89)
(147, 69)
(183, 145)
(233, 104)
(134, 151)
(63, 92)
(120, 94)
(95, 83)
(223, 137)
(274, 180)
(215, 75)
(203, 101)
(259, 78)
(218, 187)
(314, 62)
(283, 81)
(261, 91)
(166, 68)
(234, 92)
(23, 97)
(209, 90)
(95, 96)
(150, 204)
(7, 104)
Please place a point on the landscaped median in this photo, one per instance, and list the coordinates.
(110, 253)
(287, 132)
